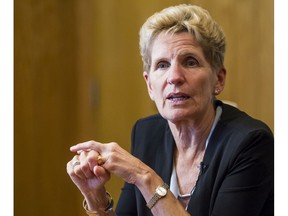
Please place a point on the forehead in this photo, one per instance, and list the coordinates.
(171, 45)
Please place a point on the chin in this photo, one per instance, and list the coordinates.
(176, 116)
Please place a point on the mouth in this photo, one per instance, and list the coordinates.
(174, 97)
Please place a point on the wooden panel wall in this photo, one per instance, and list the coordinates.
(45, 113)
(249, 60)
(78, 76)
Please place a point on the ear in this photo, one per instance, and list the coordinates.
(148, 84)
(220, 81)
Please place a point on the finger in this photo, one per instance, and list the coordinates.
(72, 166)
(100, 160)
(72, 163)
(95, 158)
(75, 161)
(92, 159)
(87, 146)
(102, 173)
(69, 168)
(85, 168)
(79, 152)
(76, 164)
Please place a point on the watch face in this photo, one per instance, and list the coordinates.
(161, 191)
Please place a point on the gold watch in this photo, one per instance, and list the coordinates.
(160, 192)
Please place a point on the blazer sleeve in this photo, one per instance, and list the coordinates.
(248, 185)
(126, 205)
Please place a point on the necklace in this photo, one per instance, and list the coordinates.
(188, 195)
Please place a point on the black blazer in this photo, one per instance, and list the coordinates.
(238, 175)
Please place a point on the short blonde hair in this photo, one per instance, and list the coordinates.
(193, 19)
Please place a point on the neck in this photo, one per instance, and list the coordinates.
(190, 136)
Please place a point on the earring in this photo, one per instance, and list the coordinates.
(217, 91)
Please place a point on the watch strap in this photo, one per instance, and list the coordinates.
(156, 196)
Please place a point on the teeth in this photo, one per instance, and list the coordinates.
(178, 98)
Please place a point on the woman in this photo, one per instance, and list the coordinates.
(196, 157)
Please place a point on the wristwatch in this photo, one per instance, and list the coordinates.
(160, 192)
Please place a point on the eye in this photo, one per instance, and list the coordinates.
(163, 65)
(191, 62)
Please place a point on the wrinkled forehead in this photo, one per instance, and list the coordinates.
(176, 38)
(174, 44)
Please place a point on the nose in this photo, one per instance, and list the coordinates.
(175, 75)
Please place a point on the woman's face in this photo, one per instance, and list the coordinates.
(181, 81)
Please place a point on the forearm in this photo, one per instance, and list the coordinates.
(96, 200)
(99, 203)
(147, 182)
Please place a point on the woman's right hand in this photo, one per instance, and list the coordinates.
(89, 177)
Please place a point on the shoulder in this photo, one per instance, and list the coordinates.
(156, 118)
(239, 122)
(238, 138)
(150, 123)
(151, 127)
(150, 134)
(237, 131)
(237, 134)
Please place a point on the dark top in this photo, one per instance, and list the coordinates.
(239, 160)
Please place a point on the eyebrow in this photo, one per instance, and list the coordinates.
(189, 53)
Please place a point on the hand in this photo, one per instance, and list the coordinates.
(116, 160)
(88, 176)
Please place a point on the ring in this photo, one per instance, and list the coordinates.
(100, 160)
(75, 163)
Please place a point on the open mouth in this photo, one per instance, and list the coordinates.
(177, 97)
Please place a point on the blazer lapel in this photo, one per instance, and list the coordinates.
(164, 163)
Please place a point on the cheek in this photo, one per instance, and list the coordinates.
(157, 95)
(204, 86)
(210, 79)
(156, 87)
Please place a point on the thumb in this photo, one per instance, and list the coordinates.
(102, 173)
